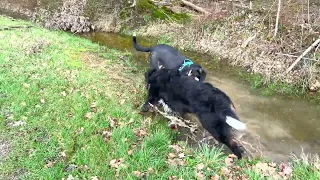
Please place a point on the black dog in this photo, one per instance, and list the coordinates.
(185, 95)
(165, 56)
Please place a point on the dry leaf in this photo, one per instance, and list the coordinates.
(225, 171)
(88, 115)
(79, 131)
(63, 154)
(150, 170)
(122, 101)
(228, 161)
(112, 122)
(63, 93)
(214, 177)
(70, 177)
(130, 152)
(264, 169)
(200, 175)
(171, 155)
(181, 155)
(200, 166)
(26, 85)
(285, 169)
(176, 162)
(173, 178)
(232, 156)
(116, 163)
(175, 147)
(137, 174)
(23, 104)
(49, 164)
(42, 101)
(17, 123)
(94, 178)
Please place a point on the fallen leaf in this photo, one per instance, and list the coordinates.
(112, 122)
(181, 155)
(173, 178)
(228, 161)
(63, 93)
(70, 177)
(264, 169)
(122, 101)
(79, 131)
(140, 132)
(88, 115)
(150, 170)
(130, 152)
(49, 164)
(200, 175)
(175, 147)
(176, 162)
(94, 178)
(63, 154)
(214, 177)
(23, 104)
(200, 166)
(137, 174)
(17, 123)
(285, 169)
(225, 171)
(232, 156)
(42, 101)
(171, 155)
(116, 163)
(26, 85)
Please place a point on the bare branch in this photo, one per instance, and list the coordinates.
(277, 20)
(195, 7)
(303, 54)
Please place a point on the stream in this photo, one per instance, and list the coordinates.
(278, 126)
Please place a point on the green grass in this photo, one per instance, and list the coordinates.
(79, 103)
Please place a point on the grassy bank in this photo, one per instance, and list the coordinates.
(68, 109)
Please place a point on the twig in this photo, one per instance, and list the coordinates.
(133, 4)
(14, 27)
(303, 54)
(289, 55)
(195, 7)
(277, 20)
(177, 120)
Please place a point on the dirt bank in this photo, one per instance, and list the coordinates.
(243, 33)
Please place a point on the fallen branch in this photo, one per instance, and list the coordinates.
(290, 55)
(174, 120)
(195, 7)
(277, 20)
(303, 54)
(14, 27)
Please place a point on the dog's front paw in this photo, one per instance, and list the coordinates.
(145, 107)
(238, 151)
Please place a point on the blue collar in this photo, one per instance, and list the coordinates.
(186, 62)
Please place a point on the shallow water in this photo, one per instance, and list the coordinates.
(278, 126)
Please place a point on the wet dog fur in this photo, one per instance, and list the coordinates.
(185, 95)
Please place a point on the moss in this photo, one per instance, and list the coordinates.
(162, 13)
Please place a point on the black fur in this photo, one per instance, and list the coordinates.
(185, 95)
(169, 58)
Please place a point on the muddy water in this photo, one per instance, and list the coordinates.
(277, 126)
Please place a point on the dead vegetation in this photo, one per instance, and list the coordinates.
(243, 32)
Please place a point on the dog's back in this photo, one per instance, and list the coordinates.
(211, 105)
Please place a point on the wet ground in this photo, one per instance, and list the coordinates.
(277, 126)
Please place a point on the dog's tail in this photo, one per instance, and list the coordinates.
(137, 47)
(235, 123)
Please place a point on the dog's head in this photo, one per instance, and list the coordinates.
(195, 71)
